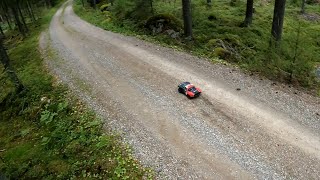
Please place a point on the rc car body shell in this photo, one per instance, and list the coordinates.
(189, 90)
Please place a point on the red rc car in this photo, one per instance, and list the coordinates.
(189, 90)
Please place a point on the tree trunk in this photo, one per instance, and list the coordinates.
(27, 11)
(151, 6)
(8, 21)
(82, 3)
(16, 18)
(1, 31)
(22, 17)
(187, 20)
(249, 13)
(278, 17)
(6, 14)
(303, 6)
(94, 4)
(31, 6)
(30, 11)
(48, 3)
(5, 61)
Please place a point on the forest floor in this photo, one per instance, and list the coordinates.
(45, 131)
(242, 126)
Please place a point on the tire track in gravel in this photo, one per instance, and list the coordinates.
(217, 136)
(168, 130)
(276, 122)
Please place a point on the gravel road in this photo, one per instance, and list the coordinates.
(241, 127)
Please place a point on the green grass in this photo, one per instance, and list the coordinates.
(249, 46)
(45, 132)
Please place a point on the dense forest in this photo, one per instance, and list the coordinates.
(15, 15)
(277, 39)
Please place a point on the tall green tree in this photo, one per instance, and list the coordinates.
(8, 68)
(17, 20)
(30, 11)
(187, 19)
(18, 5)
(18, 11)
(249, 14)
(278, 18)
(5, 12)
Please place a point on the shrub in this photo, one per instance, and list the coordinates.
(312, 2)
(222, 53)
(105, 7)
(167, 21)
(136, 10)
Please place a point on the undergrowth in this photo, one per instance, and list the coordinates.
(218, 34)
(45, 132)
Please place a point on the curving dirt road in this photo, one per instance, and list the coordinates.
(263, 131)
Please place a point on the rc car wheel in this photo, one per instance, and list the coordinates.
(180, 90)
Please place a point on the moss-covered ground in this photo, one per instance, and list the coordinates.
(46, 132)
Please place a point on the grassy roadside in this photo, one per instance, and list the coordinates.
(219, 26)
(100, 19)
(45, 132)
